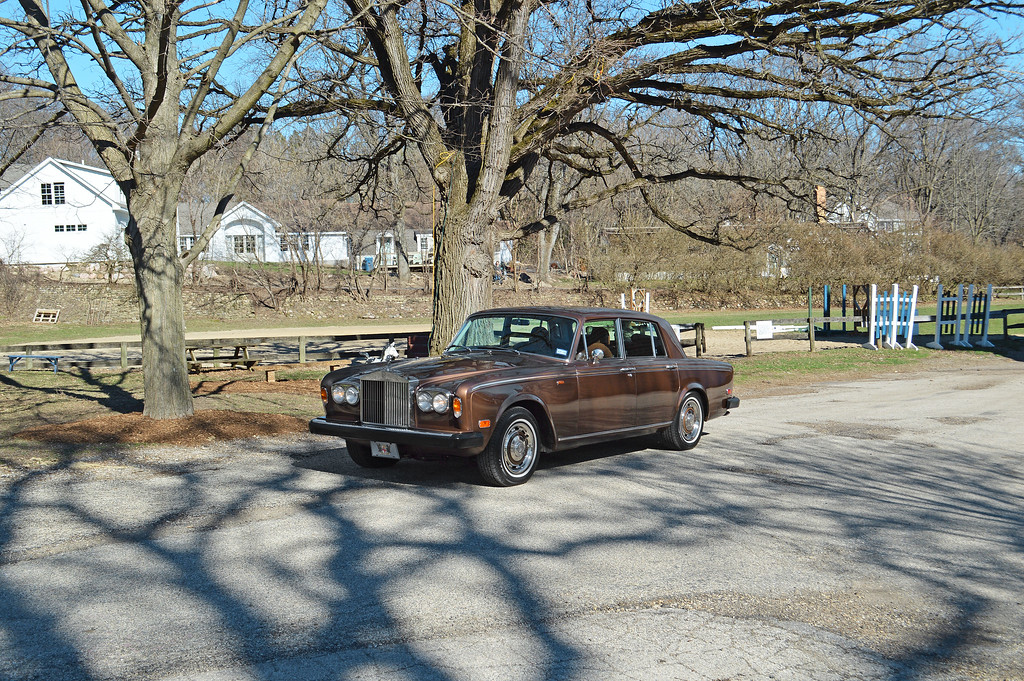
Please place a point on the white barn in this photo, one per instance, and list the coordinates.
(58, 211)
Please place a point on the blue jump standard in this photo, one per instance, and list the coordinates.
(14, 359)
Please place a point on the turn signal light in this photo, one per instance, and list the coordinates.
(323, 394)
(456, 407)
(484, 424)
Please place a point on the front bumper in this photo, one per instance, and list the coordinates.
(462, 442)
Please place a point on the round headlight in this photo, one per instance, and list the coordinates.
(425, 400)
(441, 403)
(338, 393)
(352, 394)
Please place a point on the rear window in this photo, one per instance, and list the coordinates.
(643, 339)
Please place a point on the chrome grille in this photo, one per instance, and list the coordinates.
(385, 400)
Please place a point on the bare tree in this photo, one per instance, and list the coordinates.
(486, 89)
(962, 174)
(111, 254)
(155, 85)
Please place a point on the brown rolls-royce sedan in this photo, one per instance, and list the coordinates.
(518, 382)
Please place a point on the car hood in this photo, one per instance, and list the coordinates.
(454, 367)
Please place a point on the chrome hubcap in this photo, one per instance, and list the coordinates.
(519, 447)
(690, 420)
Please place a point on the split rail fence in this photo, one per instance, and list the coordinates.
(265, 349)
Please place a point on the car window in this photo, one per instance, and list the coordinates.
(642, 339)
(601, 334)
(535, 334)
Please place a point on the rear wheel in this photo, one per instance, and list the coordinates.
(686, 429)
(511, 455)
(360, 453)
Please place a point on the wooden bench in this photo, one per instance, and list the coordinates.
(214, 360)
(52, 359)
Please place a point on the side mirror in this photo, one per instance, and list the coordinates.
(597, 354)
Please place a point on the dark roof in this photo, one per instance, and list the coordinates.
(13, 174)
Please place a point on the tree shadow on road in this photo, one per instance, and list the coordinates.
(281, 564)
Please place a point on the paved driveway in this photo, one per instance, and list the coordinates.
(871, 530)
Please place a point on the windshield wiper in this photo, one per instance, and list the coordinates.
(506, 348)
(457, 348)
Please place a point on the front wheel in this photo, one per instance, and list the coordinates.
(360, 453)
(686, 429)
(511, 455)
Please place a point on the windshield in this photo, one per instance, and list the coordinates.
(534, 334)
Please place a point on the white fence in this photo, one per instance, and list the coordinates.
(1008, 292)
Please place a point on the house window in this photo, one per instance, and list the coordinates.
(52, 193)
(243, 244)
(58, 228)
(82, 228)
(425, 243)
(298, 241)
(185, 243)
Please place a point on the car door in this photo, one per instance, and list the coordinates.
(657, 382)
(607, 386)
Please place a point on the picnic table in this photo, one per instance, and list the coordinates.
(52, 359)
(214, 359)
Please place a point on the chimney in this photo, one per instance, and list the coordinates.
(819, 202)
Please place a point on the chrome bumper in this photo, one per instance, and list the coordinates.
(420, 438)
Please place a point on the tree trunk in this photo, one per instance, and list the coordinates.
(401, 252)
(547, 239)
(463, 274)
(159, 274)
(554, 196)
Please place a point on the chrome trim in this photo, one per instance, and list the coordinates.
(528, 379)
(386, 399)
(597, 433)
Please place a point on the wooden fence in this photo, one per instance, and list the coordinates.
(1005, 315)
(1008, 292)
(284, 349)
(809, 321)
(1007, 326)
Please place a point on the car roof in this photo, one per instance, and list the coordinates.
(582, 313)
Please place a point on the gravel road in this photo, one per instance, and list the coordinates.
(869, 530)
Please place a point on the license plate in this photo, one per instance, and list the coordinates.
(384, 450)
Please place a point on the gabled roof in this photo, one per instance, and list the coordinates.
(194, 217)
(95, 180)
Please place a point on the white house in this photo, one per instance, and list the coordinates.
(57, 212)
(247, 234)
